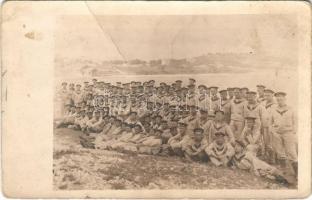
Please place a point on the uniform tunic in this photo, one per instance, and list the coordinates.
(283, 127)
(220, 154)
(251, 138)
(191, 122)
(204, 124)
(215, 103)
(268, 138)
(261, 100)
(257, 111)
(226, 108)
(237, 110)
(221, 127)
(195, 150)
(203, 102)
(178, 141)
(237, 116)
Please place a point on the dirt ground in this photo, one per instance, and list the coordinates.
(77, 168)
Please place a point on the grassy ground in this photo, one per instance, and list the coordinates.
(77, 168)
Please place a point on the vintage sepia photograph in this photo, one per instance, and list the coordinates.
(175, 102)
(156, 99)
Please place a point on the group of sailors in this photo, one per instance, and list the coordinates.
(233, 127)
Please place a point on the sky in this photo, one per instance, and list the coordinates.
(171, 36)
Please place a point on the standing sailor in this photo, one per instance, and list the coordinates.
(203, 100)
(260, 90)
(237, 113)
(225, 106)
(257, 111)
(284, 126)
(215, 100)
(268, 139)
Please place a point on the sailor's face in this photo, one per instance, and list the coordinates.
(244, 92)
(147, 129)
(82, 114)
(146, 125)
(251, 98)
(97, 114)
(268, 96)
(213, 91)
(132, 116)
(223, 95)
(198, 136)
(260, 90)
(280, 100)
(231, 93)
(220, 140)
(182, 129)
(237, 94)
(164, 125)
